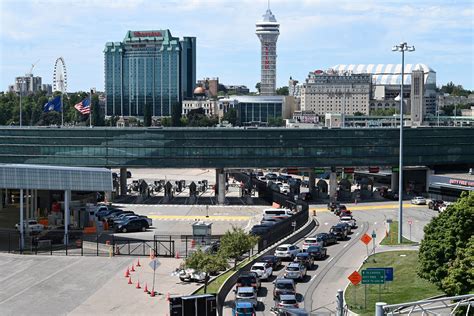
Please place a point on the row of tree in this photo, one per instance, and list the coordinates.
(32, 110)
(233, 245)
(446, 256)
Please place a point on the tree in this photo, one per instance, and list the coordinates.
(446, 251)
(456, 90)
(276, 122)
(231, 116)
(207, 263)
(257, 86)
(166, 121)
(359, 114)
(147, 115)
(282, 91)
(235, 243)
(176, 114)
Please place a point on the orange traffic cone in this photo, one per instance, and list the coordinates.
(133, 268)
(138, 285)
(127, 273)
(177, 255)
(138, 263)
(130, 280)
(152, 294)
(146, 288)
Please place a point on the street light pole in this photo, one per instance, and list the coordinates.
(402, 47)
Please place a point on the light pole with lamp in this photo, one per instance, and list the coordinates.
(402, 47)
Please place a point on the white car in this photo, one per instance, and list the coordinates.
(190, 275)
(287, 251)
(284, 188)
(311, 241)
(31, 226)
(444, 206)
(263, 270)
(349, 220)
(418, 200)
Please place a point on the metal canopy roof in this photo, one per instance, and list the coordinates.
(40, 177)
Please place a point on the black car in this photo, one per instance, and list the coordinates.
(317, 252)
(102, 214)
(114, 216)
(133, 225)
(305, 258)
(56, 235)
(345, 226)
(284, 178)
(339, 231)
(339, 209)
(259, 230)
(332, 206)
(271, 176)
(435, 204)
(294, 181)
(306, 196)
(274, 260)
(248, 278)
(328, 239)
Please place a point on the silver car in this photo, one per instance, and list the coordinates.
(295, 270)
(287, 300)
(287, 251)
(247, 293)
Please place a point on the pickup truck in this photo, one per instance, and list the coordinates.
(31, 226)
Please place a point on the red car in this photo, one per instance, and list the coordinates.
(345, 213)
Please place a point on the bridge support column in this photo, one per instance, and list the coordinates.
(394, 181)
(123, 181)
(311, 184)
(220, 186)
(429, 173)
(333, 186)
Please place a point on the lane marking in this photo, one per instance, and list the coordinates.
(330, 259)
(358, 234)
(345, 246)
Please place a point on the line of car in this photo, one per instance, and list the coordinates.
(301, 260)
(123, 221)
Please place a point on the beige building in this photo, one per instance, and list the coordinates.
(210, 106)
(336, 92)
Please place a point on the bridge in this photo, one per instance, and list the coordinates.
(235, 147)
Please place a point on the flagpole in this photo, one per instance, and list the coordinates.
(62, 110)
(90, 106)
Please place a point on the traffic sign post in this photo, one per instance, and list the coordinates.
(410, 221)
(373, 276)
(373, 241)
(355, 279)
(366, 240)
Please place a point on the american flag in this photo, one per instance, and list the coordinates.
(83, 106)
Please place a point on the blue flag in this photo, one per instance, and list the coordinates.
(53, 105)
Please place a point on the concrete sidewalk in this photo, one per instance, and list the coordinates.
(119, 297)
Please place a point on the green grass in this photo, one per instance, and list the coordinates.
(406, 285)
(214, 285)
(392, 238)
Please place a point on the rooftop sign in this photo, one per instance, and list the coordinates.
(465, 183)
(147, 34)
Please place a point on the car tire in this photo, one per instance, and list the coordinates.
(124, 230)
(143, 229)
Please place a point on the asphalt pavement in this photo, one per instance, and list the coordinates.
(317, 293)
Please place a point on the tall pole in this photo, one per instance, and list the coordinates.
(400, 166)
(21, 112)
(402, 47)
(62, 110)
(90, 107)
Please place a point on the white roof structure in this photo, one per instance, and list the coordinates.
(41, 177)
(389, 74)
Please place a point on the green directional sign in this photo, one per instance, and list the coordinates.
(395, 169)
(319, 170)
(373, 276)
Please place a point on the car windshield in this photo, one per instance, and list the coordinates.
(284, 286)
(258, 268)
(245, 309)
(314, 249)
(293, 269)
(282, 249)
(310, 240)
(246, 280)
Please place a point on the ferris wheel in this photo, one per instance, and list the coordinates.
(60, 76)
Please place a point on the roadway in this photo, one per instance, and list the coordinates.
(318, 291)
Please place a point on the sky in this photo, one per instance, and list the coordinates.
(314, 34)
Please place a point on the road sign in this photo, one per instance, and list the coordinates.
(319, 170)
(410, 221)
(293, 224)
(395, 169)
(355, 278)
(349, 170)
(388, 272)
(373, 276)
(374, 234)
(366, 239)
(154, 264)
(374, 169)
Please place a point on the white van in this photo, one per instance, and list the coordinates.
(277, 213)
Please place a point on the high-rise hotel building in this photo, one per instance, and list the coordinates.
(149, 68)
